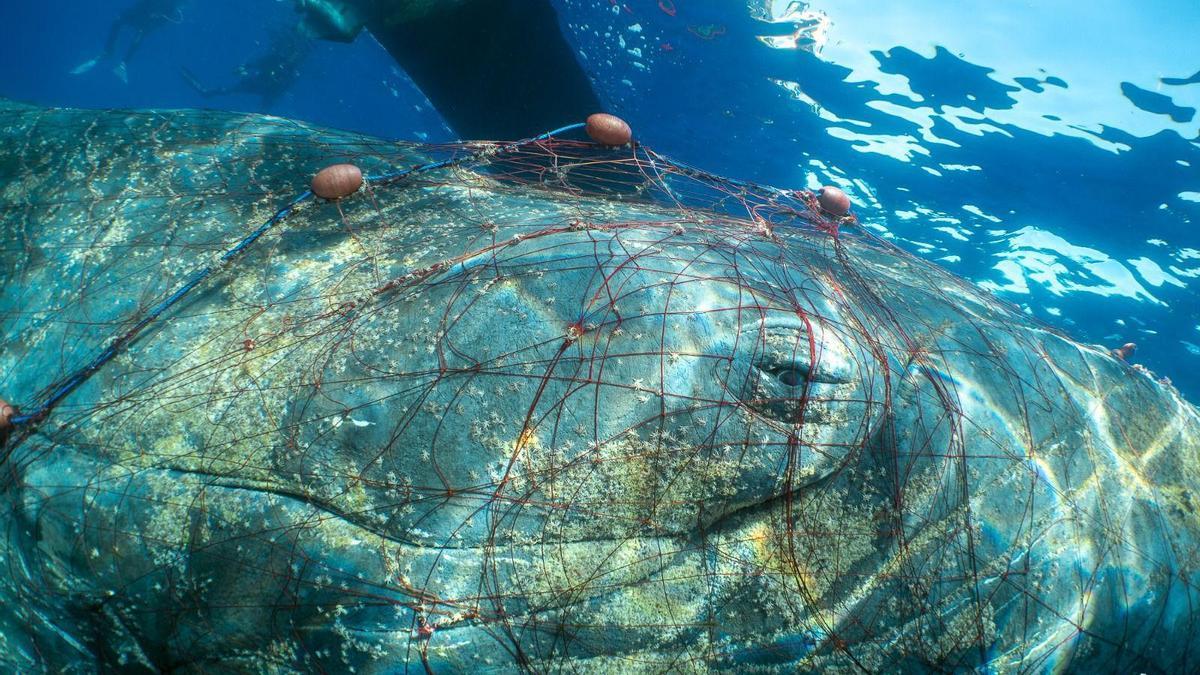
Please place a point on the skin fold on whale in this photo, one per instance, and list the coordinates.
(461, 422)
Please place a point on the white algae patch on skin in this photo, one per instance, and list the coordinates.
(470, 421)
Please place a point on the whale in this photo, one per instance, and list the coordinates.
(480, 420)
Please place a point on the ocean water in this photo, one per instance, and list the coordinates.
(1046, 151)
(648, 414)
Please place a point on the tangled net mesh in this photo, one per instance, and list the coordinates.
(548, 407)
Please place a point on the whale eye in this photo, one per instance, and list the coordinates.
(790, 377)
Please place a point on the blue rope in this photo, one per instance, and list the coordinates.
(114, 348)
(696, 172)
(386, 178)
(198, 277)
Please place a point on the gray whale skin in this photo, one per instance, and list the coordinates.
(457, 424)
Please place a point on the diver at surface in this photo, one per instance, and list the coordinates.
(268, 76)
(141, 19)
(494, 69)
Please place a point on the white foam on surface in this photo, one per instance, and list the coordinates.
(1010, 41)
(1040, 257)
(1153, 274)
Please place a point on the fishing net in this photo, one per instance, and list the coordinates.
(543, 406)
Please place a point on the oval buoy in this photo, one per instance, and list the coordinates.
(608, 129)
(7, 412)
(833, 201)
(337, 181)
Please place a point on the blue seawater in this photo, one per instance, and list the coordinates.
(1047, 151)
